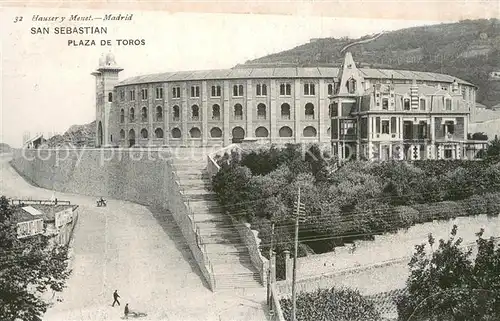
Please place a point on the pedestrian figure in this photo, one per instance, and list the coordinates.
(115, 297)
(126, 311)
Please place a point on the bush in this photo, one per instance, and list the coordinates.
(333, 304)
(439, 211)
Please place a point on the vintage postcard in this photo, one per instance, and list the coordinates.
(226, 161)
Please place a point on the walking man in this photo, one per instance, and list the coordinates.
(115, 297)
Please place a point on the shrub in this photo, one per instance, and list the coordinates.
(439, 211)
(331, 304)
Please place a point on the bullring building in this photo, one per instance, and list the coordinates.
(279, 105)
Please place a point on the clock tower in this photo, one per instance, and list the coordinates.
(106, 77)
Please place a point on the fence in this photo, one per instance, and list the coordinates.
(38, 202)
(212, 166)
(181, 210)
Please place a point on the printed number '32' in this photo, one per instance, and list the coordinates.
(18, 19)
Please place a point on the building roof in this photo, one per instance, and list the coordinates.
(25, 214)
(37, 211)
(285, 72)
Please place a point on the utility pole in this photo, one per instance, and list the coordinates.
(294, 298)
(270, 262)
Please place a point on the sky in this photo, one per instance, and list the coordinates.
(47, 85)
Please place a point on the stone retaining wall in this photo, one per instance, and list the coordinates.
(252, 242)
(141, 176)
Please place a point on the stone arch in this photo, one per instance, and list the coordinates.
(310, 131)
(215, 132)
(195, 132)
(131, 137)
(285, 111)
(99, 134)
(159, 133)
(261, 132)
(238, 134)
(144, 133)
(176, 133)
(285, 131)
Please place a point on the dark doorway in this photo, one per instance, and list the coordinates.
(131, 138)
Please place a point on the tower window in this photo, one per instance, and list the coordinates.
(132, 95)
(330, 89)
(122, 95)
(351, 86)
(144, 114)
(309, 90)
(110, 97)
(122, 116)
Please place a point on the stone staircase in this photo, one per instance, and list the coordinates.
(229, 256)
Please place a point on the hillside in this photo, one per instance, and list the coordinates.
(76, 135)
(469, 49)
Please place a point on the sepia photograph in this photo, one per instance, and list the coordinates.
(260, 161)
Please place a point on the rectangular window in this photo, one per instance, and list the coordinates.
(422, 103)
(385, 104)
(448, 104)
(132, 95)
(159, 93)
(195, 91)
(176, 92)
(406, 104)
(385, 127)
(377, 125)
(237, 90)
(309, 90)
(144, 94)
(393, 125)
(261, 90)
(448, 153)
(330, 89)
(122, 95)
(216, 91)
(285, 89)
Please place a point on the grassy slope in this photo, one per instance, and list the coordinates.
(468, 49)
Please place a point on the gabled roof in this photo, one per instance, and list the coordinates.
(285, 72)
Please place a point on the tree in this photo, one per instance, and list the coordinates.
(449, 284)
(29, 267)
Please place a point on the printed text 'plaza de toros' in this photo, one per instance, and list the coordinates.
(376, 114)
